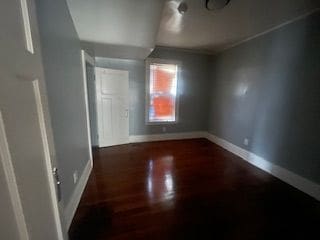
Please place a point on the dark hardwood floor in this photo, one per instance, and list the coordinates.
(188, 189)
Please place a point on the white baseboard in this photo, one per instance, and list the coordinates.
(166, 136)
(301, 183)
(71, 207)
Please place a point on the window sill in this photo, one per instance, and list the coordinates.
(162, 123)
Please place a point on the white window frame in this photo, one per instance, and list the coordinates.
(150, 61)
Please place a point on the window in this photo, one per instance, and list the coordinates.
(162, 78)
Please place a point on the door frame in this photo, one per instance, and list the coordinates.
(86, 58)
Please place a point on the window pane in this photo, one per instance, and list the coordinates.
(162, 94)
(163, 80)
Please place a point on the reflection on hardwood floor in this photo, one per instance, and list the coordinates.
(188, 189)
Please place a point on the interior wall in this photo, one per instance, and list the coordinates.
(193, 98)
(268, 90)
(63, 74)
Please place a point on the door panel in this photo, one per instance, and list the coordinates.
(112, 106)
(107, 119)
(24, 109)
(11, 212)
(7, 217)
(113, 81)
(124, 115)
(109, 83)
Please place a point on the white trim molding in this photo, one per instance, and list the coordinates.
(26, 25)
(166, 136)
(12, 183)
(73, 203)
(293, 179)
(86, 58)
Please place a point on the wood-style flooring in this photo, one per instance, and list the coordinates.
(188, 189)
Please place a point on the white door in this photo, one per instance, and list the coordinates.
(112, 106)
(26, 153)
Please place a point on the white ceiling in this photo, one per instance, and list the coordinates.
(213, 31)
(130, 28)
(117, 28)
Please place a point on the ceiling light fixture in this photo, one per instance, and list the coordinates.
(216, 4)
(182, 8)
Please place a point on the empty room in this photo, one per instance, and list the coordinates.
(159, 119)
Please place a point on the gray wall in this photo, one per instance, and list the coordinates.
(63, 74)
(268, 90)
(193, 99)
